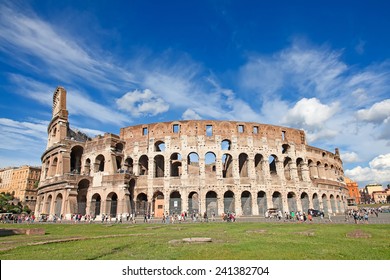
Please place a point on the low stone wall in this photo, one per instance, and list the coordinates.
(26, 231)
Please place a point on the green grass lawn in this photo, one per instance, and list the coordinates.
(271, 241)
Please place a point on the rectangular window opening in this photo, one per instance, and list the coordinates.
(144, 131)
(255, 129)
(209, 130)
(283, 135)
(176, 128)
(240, 128)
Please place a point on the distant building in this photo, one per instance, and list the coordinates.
(353, 190)
(21, 182)
(381, 196)
(368, 191)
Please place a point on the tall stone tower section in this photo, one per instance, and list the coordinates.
(58, 127)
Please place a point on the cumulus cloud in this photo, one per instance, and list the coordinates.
(310, 113)
(139, 103)
(350, 157)
(378, 171)
(190, 114)
(377, 113)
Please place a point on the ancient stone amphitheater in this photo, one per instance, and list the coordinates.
(191, 166)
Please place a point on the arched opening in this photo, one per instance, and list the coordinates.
(262, 202)
(277, 202)
(129, 165)
(292, 202)
(325, 204)
(95, 205)
(287, 168)
(193, 164)
(58, 205)
(158, 204)
(243, 165)
(193, 203)
(305, 202)
(143, 164)
(142, 204)
(316, 202)
(75, 159)
(226, 145)
(159, 166)
(112, 204)
(175, 203)
(48, 204)
(82, 191)
(210, 161)
(227, 166)
(211, 203)
(118, 160)
(119, 147)
(131, 196)
(87, 167)
(159, 146)
(333, 203)
(54, 167)
(259, 167)
(300, 163)
(176, 165)
(285, 148)
(99, 163)
(338, 201)
(246, 203)
(229, 202)
(272, 165)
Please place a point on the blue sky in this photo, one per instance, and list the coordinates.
(321, 66)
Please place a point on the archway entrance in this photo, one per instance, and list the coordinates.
(228, 202)
(112, 204)
(175, 203)
(262, 202)
(193, 203)
(246, 203)
(82, 191)
(211, 203)
(158, 204)
(277, 201)
(142, 204)
(95, 205)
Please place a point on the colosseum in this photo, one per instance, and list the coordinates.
(192, 166)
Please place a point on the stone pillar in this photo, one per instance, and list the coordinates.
(285, 201)
(136, 167)
(251, 168)
(293, 171)
(265, 170)
(255, 207)
(305, 172)
(313, 171)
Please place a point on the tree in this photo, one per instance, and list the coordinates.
(7, 205)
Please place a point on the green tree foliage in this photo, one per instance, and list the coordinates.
(7, 205)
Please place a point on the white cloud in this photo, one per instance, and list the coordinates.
(139, 103)
(190, 114)
(378, 171)
(377, 113)
(350, 157)
(310, 113)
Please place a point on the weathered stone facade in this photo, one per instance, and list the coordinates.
(192, 166)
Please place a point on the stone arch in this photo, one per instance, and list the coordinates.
(246, 203)
(175, 202)
(226, 145)
(210, 161)
(176, 165)
(292, 202)
(58, 205)
(82, 191)
(118, 161)
(99, 163)
(95, 205)
(87, 166)
(159, 146)
(129, 165)
(142, 204)
(305, 202)
(158, 204)
(112, 204)
(332, 203)
(229, 202)
(262, 202)
(54, 167)
(131, 201)
(285, 148)
(287, 168)
(75, 159)
(325, 204)
(277, 201)
(243, 165)
(211, 203)
(227, 166)
(193, 164)
(143, 164)
(159, 166)
(316, 202)
(193, 203)
(119, 147)
(259, 166)
(338, 201)
(300, 164)
(272, 165)
(48, 204)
